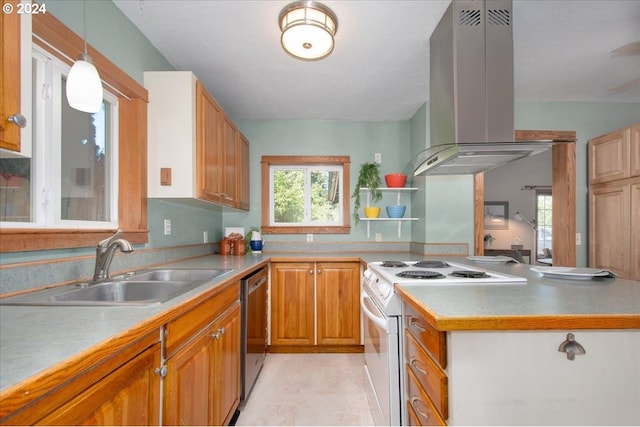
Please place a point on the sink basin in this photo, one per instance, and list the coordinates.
(139, 288)
(124, 292)
(177, 275)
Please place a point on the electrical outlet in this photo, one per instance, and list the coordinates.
(378, 237)
(205, 237)
(167, 227)
(377, 157)
(309, 238)
(578, 239)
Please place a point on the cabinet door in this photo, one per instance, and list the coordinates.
(609, 228)
(9, 77)
(338, 302)
(634, 145)
(244, 173)
(209, 148)
(130, 395)
(230, 167)
(609, 156)
(292, 304)
(635, 232)
(188, 399)
(226, 366)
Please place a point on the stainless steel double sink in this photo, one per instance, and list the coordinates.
(144, 287)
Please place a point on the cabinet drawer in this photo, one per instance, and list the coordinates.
(420, 407)
(433, 341)
(427, 373)
(180, 330)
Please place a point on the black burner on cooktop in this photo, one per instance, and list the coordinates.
(470, 274)
(419, 274)
(431, 264)
(393, 264)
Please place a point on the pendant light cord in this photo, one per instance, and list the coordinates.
(84, 25)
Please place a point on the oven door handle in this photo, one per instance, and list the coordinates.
(380, 322)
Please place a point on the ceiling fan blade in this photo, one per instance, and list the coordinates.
(629, 49)
(625, 87)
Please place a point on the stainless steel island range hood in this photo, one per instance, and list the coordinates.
(471, 91)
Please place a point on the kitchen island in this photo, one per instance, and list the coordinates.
(41, 347)
(551, 352)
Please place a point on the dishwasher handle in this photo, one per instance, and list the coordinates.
(255, 281)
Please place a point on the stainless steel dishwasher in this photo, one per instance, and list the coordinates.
(254, 329)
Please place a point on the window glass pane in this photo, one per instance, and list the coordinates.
(288, 200)
(325, 196)
(85, 164)
(543, 219)
(15, 189)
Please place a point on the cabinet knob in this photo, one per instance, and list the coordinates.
(319, 271)
(18, 120)
(571, 347)
(310, 271)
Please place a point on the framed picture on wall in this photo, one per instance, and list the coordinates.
(496, 215)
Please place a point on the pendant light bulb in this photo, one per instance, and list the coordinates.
(84, 88)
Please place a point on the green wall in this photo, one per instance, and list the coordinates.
(359, 140)
(445, 203)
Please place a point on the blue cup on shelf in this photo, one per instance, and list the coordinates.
(396, 211)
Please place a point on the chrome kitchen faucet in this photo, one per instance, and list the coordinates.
(104, 254)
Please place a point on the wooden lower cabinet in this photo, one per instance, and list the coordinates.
(202, 384)
(292, 303)
(338, 303)
(426, 384)
(315, 304)
(226, 366)
(130, 395)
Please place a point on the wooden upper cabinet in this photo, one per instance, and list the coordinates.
(229, 167)
(634, 147)
(244, 187)
(193, 145)
(9, 78)
(609, 158)
(208, 146)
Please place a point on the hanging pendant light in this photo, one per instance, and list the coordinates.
(308, 30)
(84, 87)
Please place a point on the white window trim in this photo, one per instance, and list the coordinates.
(46, 185)
(307, 221)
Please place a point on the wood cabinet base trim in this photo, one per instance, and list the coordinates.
(315, 349)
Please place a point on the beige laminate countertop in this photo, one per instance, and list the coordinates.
(33, 340)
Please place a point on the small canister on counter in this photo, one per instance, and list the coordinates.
(239, 248)
(225, 246)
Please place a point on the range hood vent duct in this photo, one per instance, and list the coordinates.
(471, 89)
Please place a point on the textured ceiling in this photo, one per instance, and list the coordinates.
(379, 69)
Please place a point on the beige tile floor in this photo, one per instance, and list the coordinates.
(310, 390)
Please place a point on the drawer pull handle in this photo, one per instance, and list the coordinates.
(571, 347)
(416, 324)
(415, 363)
(413, 403)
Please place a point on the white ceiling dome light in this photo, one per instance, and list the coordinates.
(84, 87)
(308, 30)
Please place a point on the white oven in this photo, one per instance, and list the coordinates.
(382, 360)
(382, 311)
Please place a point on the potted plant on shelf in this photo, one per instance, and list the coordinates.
(369, 177)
